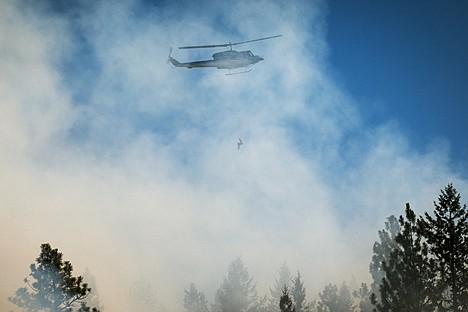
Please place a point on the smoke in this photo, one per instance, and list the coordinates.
(130, 167)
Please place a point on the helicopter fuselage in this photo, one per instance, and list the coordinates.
(230, 59)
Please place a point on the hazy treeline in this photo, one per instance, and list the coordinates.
(419, 263)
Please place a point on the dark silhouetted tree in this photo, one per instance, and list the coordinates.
(284, 279)
(408, 284)
(52, 287)
(298, 293)
(447, 235)
(285, 302)
(237, 292)
(195, 301)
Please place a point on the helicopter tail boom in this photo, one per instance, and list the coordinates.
(208, 63)
(175, 62)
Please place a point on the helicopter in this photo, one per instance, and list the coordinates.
(229, 59)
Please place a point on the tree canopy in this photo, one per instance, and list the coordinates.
(284, 279)
(298, 293)
(285, 302)
(238, 291)
(195, 301)
(419, 264)
(333, 299)
(426, 269)
(409, 273)
(382, 251)
(52, 287)
(446, 233)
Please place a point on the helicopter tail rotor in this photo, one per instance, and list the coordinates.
(169, 56)
(172, 60)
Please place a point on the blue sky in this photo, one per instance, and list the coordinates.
(100, 136)
(407, 61)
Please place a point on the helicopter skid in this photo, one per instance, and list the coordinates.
(242, 72)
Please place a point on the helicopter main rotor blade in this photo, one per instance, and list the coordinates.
(235, 43)
(224, 45)
(207, 46)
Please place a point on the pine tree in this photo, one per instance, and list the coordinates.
(447, 236)
(328, 299)
(52, 286)
(298, 293)
(284, 279)
(409, 273)
(143, 296)
(364, 295)
(345, 300)
(262, 305)
(382, 251)
(238, 291)
(333, 299)
(195, 301)
(285, 302)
